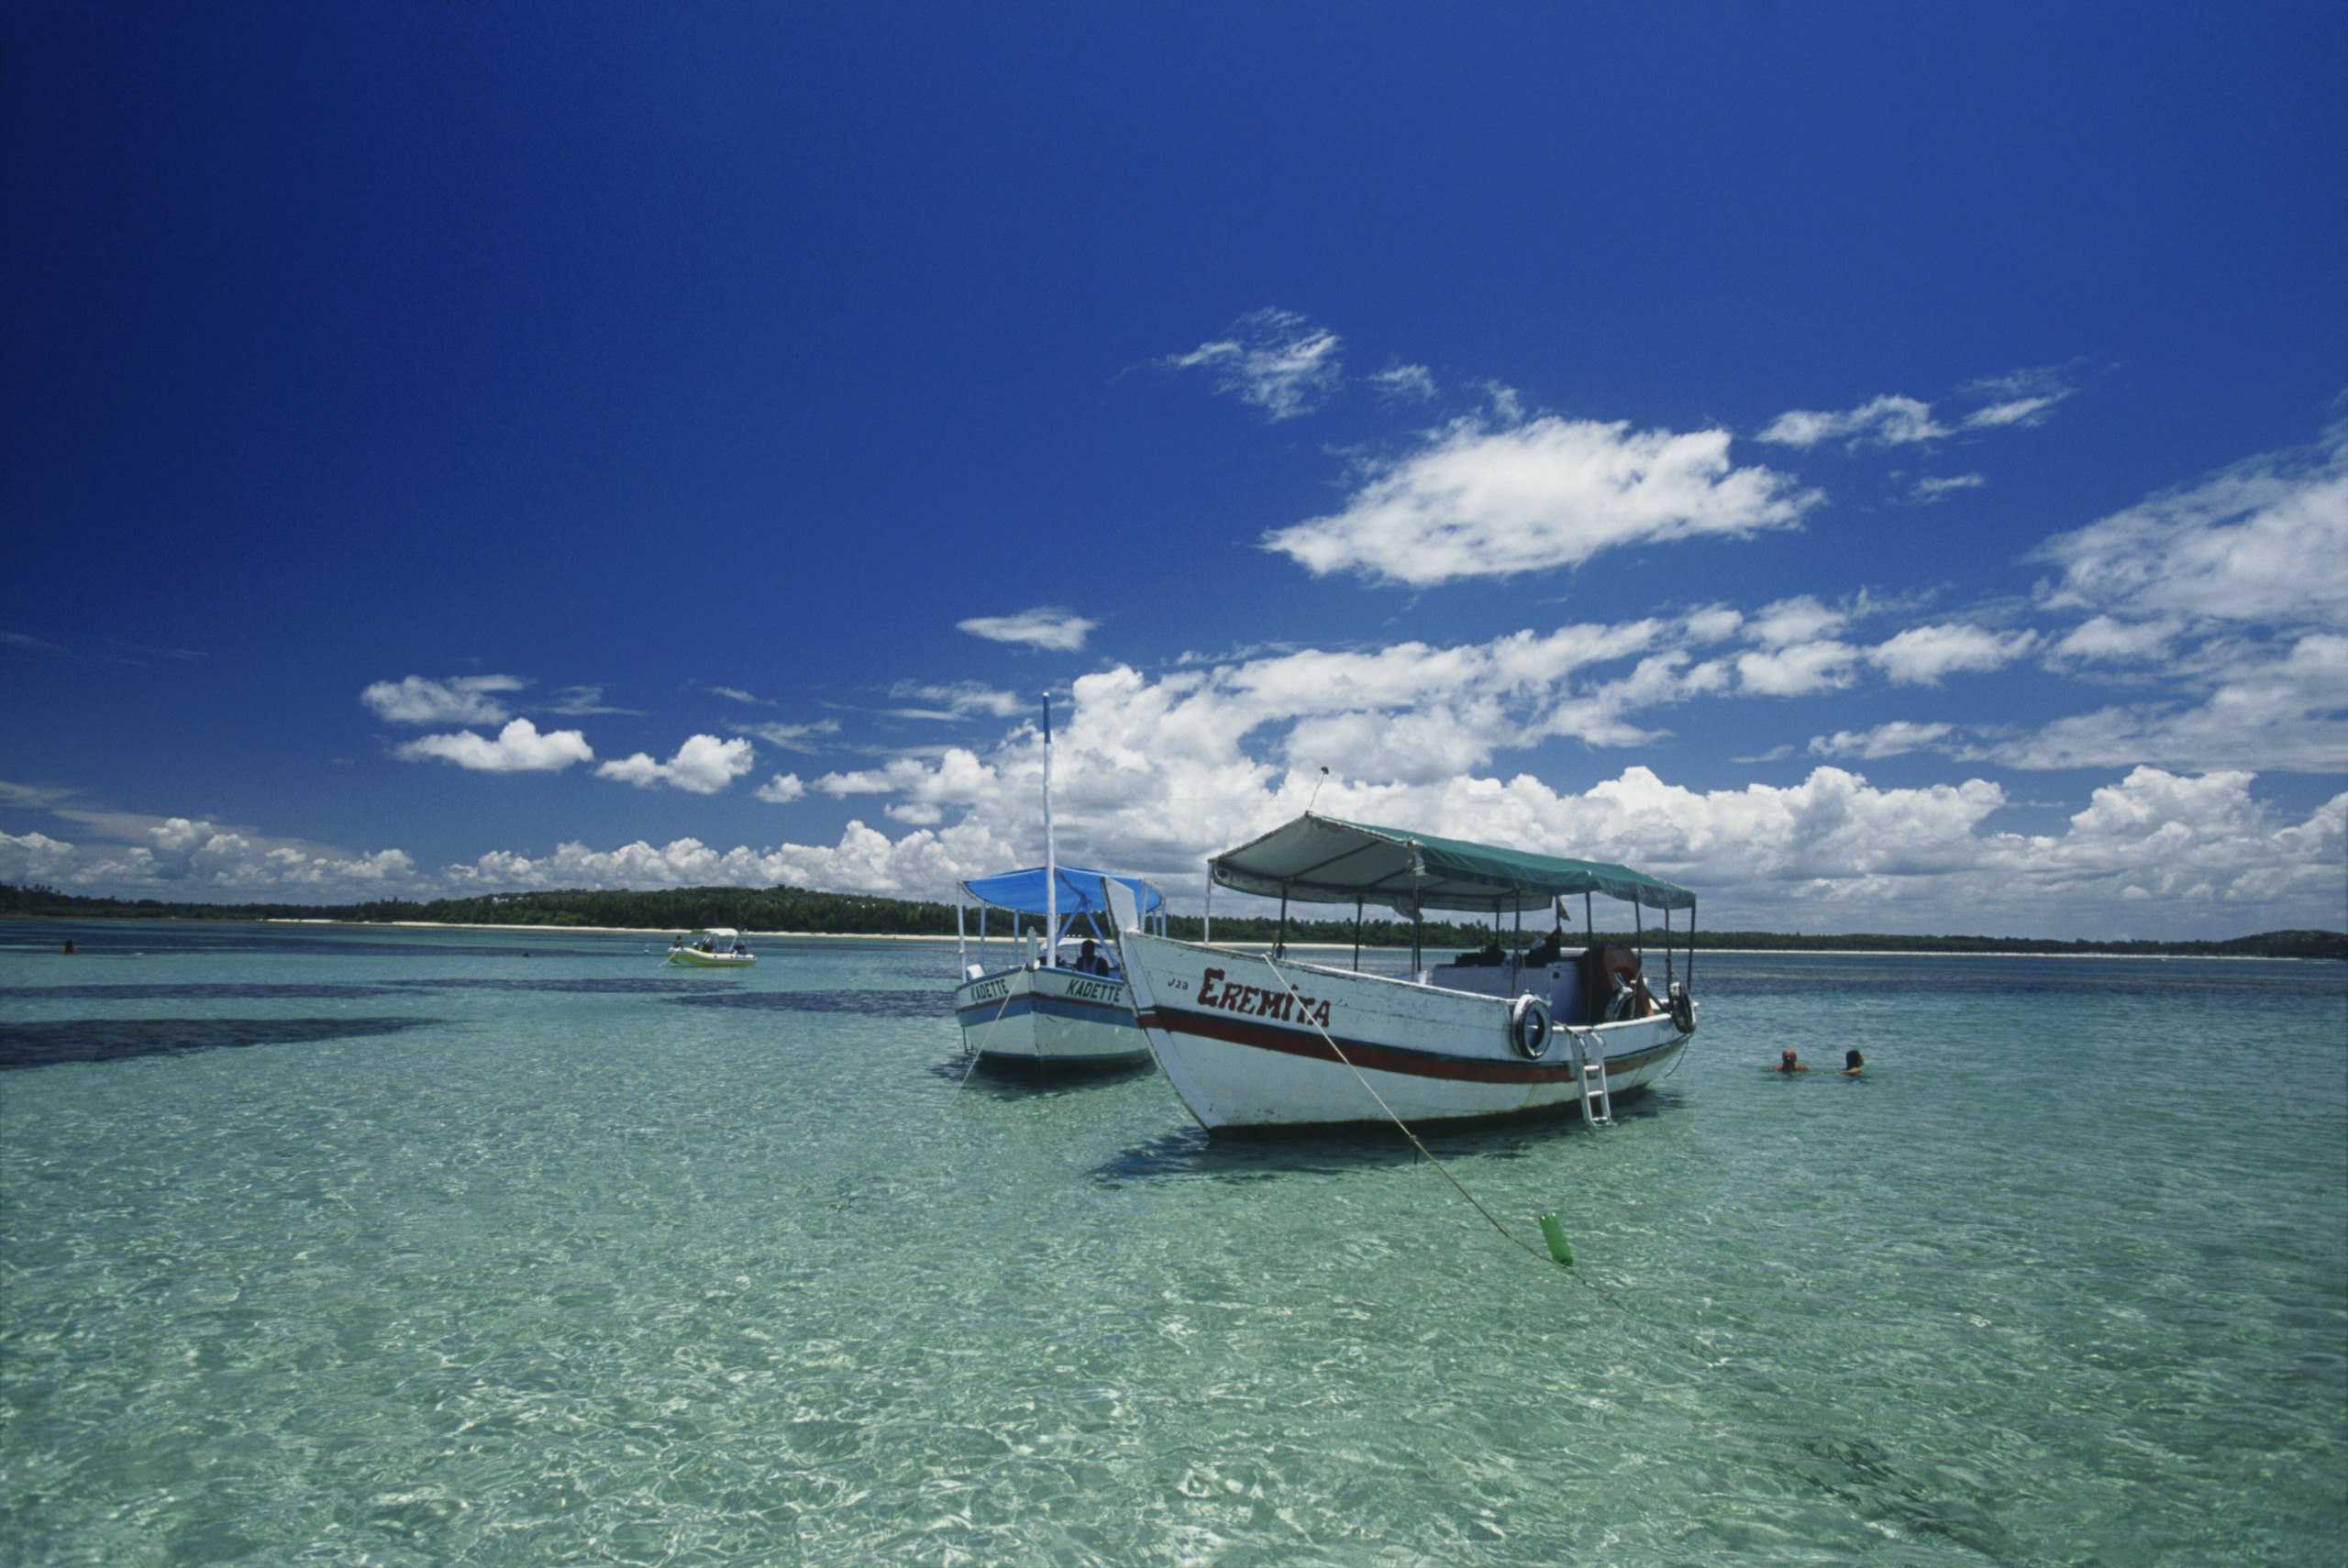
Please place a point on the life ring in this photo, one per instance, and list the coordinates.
(1529, 1026)
(1683, 1011)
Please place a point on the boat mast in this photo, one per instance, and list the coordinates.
(1051, 857)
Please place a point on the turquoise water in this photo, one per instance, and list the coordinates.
(338, 1247)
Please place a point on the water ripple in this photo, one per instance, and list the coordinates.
(865, 1004)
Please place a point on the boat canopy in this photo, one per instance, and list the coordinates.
(727, 931)
(1080, 890)
(1321, 860)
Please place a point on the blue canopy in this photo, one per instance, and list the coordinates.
(1079, 891)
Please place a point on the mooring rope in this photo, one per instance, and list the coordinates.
(1413, 1137)
(984, 1035)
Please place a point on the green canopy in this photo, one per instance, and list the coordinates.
(1321, 860)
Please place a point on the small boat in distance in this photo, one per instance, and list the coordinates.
(1254, 1040)
(720, 947)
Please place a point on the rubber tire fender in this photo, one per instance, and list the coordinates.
(1529, 1027)
(1683, 1012)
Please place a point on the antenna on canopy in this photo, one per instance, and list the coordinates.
(1316, 789)
(1051, 855)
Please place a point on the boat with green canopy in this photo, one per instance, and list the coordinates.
(1254, 1040)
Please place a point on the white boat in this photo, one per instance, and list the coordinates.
(1037, 1007)
(1046, 1005)
(1256, 1040)
(721, 947)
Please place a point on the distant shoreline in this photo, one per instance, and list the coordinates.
(1248, 946)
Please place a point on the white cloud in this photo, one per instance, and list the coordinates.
(2233, 592)
(1273, 359)
(1412, 382)
(959, 700)
(1789, 622)
(1153, 772)
(921, 865)
(574, 701)
(1895, 739)
(2152, 853)
(791, 737)
(1060, 630)
(1929, 489)
(1480, 502)
(1801, 669)
(2105, 640)
(2021, 397)
(2155, 851)
(518, 748)
(30, 644)
(181, 857)
(2019, 411)
(702, 766)
(738, 695)
(418, 701)
(1886, 421)
(1922, 655)
(782, 790)
(2264, 541)
(2277, 708)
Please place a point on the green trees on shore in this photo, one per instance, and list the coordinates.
(857, 914)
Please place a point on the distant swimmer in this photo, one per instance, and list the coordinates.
(69, 946)
(1789, 1063)
(1853, 1063)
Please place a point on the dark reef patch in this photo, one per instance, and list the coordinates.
(118, 1039)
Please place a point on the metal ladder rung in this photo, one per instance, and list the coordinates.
(1596, 1095)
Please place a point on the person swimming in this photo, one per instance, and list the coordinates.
(1852, 1063)
(1789, 1063)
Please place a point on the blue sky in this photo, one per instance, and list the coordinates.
(1885, 468)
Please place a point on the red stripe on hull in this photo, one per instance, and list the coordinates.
(1383, 1058)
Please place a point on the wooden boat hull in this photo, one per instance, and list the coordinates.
(1049, 1016)
(1242, 1052)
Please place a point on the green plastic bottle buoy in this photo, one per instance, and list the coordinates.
(1555, 1234)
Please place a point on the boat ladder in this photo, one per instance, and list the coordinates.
(1597, 1099)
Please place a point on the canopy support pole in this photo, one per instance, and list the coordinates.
(1668, 981)
(1589, 923)
(961, 945)
(1639, 930)
(1358, 903)
(982, 936)
(1692, 946)
(1206, 922)
(1280, 937)
(1516, 959)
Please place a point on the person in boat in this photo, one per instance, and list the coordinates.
(1789, 1063)
(1089, 961)
(1488, 956)
(1547, 951)
(1852, 1063)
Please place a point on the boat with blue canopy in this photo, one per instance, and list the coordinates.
(1060, 995)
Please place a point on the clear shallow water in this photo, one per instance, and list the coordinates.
(571, 1258)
